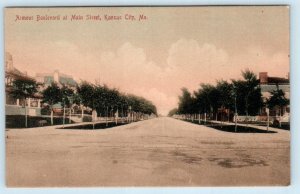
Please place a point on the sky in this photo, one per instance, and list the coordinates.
(171, 48)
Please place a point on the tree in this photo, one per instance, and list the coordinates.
(207, 99)
(277, 99)
(67, 100)
(248, 94)
(172, 112)
(139, 104)
(67, 96)
(86, 93)
(225, 99)
(24, 89)
(225, 94)
(52, 95)
(77, 101)
(252, 91)
(122, 104)
(185, 102)
(100, 102)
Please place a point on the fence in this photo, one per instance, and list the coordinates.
(260, 119)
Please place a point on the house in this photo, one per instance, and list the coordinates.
(60, 78)
(269, 84)
(17, 106)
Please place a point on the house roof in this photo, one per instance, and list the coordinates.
(14, 72)
(278, 80)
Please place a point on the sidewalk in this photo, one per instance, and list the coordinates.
(249, 125)
(60, 126)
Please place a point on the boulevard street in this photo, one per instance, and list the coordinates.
(156, 152)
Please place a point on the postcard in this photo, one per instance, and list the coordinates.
(147, 96)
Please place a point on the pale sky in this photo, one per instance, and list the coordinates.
(154, 58)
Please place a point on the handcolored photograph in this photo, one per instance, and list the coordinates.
(185, 96)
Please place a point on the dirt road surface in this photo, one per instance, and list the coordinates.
(156, 152)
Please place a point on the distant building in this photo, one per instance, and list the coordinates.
(60, 79)
(34, 105)
(57, 77)
(269, 84)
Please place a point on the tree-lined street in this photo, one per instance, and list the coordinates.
(88, 89)
(156, 152)
(226, 101)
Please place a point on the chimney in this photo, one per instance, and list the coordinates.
(263, 77)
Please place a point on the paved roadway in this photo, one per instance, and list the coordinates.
(156, 152)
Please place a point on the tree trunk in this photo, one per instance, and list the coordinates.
(247, 118)
(280, 116)
(247, 110)
(235, 126)
(221, 119)
(93, 119)
(122, 115)
(64, 116)
(70, 116)
(106, 116)
(228, 115)
(51, 116)
(26, 124)
(268, 121)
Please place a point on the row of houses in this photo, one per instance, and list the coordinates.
(34, 105)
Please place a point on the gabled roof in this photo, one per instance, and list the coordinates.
(14, 72)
